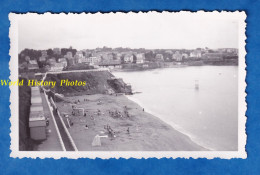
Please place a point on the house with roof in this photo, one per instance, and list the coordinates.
(212, 57)
(111, 64)
(128, 58)
(68, 55)
(63, 61)
(44, 53)
(140, 57)
(33, 65)
(177, 56)
(93, 60)
(159, 57)
(56, 51)
(70, 61)
(79, 54)
(78, 57)
(42, 59)
(195, 54)
(57, 67)
(51, 61)
(184, 55)
(116, 56)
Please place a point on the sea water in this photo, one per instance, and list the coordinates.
(207, 114)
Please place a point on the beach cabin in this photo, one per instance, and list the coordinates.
(36, 100)
(37, 120)
(37, 123)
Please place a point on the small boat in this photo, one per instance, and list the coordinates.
(197, 84)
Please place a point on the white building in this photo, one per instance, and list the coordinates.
(57, 51)
(33, 65)
(42, 59)
(56, 67)
(195, 54)
(63, 61)
(128, 58)
(51, 61)
(92, 60)
(159, 57)
(140, 58)
(177, 56)
(79, 54)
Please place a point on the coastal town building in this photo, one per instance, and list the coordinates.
(57, 67)
(103, 56)
(169, 52)
(78, 57)
(87, 53)
(63, 61)
(111, 64)
(184, 55)
(128, 58)
(51, 61)
(83, 60)
(23, 66)
(195, 54)
(228, 50)
(79, 54)
(70, 61)
(27, 58)
(93, 60)
(212, 57)
(68, 55)
(159, 57)
(140, 58)
(44, 53)
(117, 56)
(56, 51)
(177, 56)
(33, 65)
(42, 59)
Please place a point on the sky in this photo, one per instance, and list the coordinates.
(134, 30)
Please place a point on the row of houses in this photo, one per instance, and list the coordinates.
(197, 54)
(113, 58)
(103, 57)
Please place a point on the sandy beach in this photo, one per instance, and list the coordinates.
(133, 128)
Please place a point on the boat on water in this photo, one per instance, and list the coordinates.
(197, 84)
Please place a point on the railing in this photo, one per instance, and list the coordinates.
(55, 124)
(64, 133)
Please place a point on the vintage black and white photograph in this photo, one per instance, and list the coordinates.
(139, 85)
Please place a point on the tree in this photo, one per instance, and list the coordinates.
(149, 56)
(50, 52)
(134, 58)
(122, 59)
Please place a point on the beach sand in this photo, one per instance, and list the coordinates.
(146, 132)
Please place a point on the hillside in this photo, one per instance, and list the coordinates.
(96, 83)
(25, 142)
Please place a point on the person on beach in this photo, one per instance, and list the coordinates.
(47, 121)
(143, 109)
(128, 131)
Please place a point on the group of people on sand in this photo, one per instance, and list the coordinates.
(110, 131)
(115, 114)
(78, 101)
